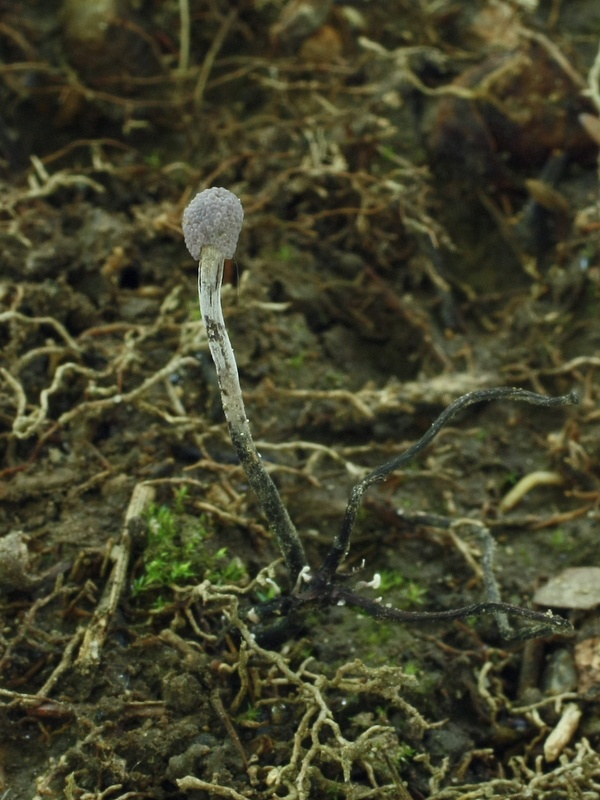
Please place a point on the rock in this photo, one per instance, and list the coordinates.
(576, 587)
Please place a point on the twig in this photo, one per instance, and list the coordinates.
(95, 634)
(184, 35)
(63, 665)
(213, 50)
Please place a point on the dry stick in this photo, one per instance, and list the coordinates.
(216, 45)
(95, 634)
(184, 35)
(63, 665)
(211, 224)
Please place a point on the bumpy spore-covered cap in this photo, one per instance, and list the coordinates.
(214, 217)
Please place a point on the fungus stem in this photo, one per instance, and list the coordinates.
(210, 276)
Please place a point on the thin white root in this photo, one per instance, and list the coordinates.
(526, 484)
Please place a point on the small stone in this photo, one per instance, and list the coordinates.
(576, 587)
(15, 568)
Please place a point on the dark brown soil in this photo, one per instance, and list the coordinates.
(420, 184)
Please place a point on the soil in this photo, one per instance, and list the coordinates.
(420, 185)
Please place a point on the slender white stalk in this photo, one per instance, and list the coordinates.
(211, 226)
(210, 275)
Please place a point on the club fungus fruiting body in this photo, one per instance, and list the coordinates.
(212, 223)
(214, 218)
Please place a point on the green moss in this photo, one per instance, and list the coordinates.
(175, 552)
(404, 755)
(407, 594)
(226, 570)
(286, 253)
(561, 542)
(297, 361)
(250, 714)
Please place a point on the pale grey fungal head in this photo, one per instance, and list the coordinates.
(214, 217)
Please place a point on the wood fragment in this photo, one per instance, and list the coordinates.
(93, 640)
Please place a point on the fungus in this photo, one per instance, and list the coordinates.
(212, 223)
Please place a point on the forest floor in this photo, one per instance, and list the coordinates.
(420, 184)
